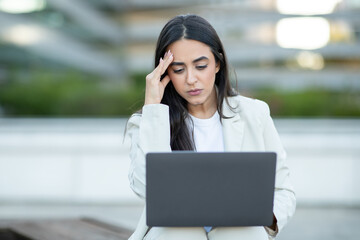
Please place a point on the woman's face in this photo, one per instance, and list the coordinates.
(192, 72)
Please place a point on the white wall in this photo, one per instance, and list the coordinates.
(85, 160)
(324, 157)
(62, 160)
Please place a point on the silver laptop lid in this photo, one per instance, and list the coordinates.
(210, 189)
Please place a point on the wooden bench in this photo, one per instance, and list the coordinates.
(61, 229)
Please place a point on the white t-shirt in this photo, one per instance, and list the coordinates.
(208, 135)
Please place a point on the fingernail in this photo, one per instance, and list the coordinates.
(161, 60)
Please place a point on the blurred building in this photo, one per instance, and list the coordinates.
(294, 43)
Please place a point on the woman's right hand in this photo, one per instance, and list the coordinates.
(155, 87)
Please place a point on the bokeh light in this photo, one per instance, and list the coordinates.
(21, 6)
(306, 7)
(303, 32)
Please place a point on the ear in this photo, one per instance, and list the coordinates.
(217, 67)
(218, 64)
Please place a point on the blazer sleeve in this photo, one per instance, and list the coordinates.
(149, 132)
(284, 197)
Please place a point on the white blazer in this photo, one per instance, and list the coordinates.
(250, 128)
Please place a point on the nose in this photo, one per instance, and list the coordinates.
(190, 77)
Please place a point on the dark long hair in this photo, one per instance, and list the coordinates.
(196, 28)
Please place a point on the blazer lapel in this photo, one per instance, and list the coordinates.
(233, 129)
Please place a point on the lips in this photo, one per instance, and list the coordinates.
(195, 92)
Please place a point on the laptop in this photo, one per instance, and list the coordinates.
(193, 189)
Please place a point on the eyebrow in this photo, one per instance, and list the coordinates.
(194, 61)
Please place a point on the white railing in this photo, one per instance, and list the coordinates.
(86, 160)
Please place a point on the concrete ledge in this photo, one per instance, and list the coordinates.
(71, 229)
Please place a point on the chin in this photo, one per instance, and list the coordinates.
(195, 102)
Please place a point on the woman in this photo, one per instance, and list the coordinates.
(190, 105)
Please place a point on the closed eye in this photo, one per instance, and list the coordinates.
(178, 70)
(201, 67)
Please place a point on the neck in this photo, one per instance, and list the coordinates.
(206, 109)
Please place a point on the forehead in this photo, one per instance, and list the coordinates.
(187, 50)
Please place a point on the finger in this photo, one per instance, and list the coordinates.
(169, 59)
(163, 65)
(156, 73)
(167, 62)
(165, 80)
